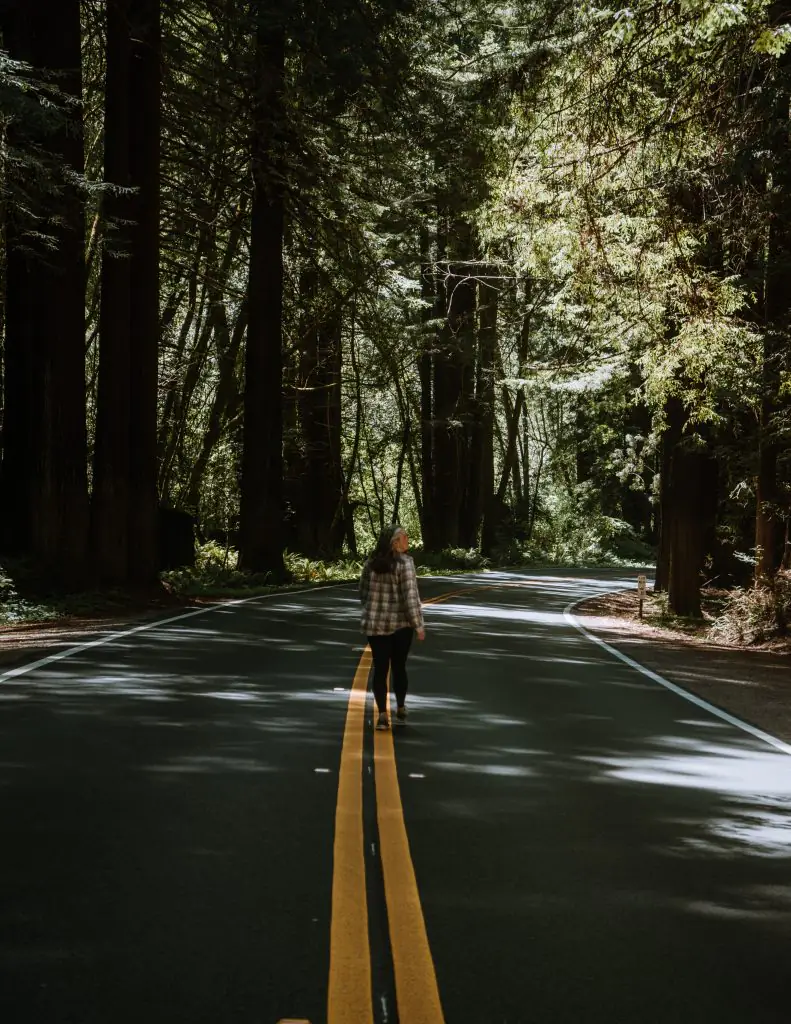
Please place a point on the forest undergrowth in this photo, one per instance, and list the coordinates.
(216, 575)
(736, 616)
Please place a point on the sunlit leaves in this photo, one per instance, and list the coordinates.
(774, 41)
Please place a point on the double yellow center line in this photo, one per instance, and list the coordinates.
(350, 996)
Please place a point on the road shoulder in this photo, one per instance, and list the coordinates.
(754, 685)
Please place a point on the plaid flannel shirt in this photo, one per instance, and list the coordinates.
(390, 600)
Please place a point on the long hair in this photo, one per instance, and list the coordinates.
(383, 558)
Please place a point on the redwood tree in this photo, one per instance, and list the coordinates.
(261, 499)
(125, 462)
(110, 496)
(44, 437)
(144, 172)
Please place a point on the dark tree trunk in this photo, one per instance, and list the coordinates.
(691, 483)
(767, 523)
(224, 401)
(144, 151)
(426, 372)
(195, 302)
(190, 378)
(214, 324)
(687, 531)
(671, 437)
(261, 505)
(320, 527)
(110, 497)
(769, 513)
(487, 356)
(346, 512)
(22, 396)
(470, 440)
(513, 417)
(450, 365)
(636, 503)
(776, 312)
(583, 457)
(44, 472)
(400, 471)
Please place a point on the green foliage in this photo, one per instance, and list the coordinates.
(621, 171)
(569, 537)
(14, 606)
(306, 570)
(215, 573)
(450, 560)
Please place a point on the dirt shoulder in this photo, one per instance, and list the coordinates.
(27, 641)
(752, 683)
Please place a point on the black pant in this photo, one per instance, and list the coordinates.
(390, 652)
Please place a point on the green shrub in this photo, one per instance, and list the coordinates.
(302, 569)
(585, 538)
(14, 607)
(215, 572)
(213, 556)
(756, 614)
(449, 560)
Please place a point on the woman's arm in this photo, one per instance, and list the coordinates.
(410, 595)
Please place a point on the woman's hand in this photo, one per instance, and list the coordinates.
(421, 634)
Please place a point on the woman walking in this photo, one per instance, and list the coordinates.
(392, 613)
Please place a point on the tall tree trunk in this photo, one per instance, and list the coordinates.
(688, 503)
(768, 514)
(671, 437)
(777, 309)
(46, 473)
(687, 533)
(400, 471)
(428, 294)
(321, 483)
(196, 297)
(767, 520)
(22, 394)
(449, 370)
(211, 324)
(513, 416)
(345, 510)
(261, 505)
(321, 424)
(110, 497)
(469, 435)
(487, 303)
(144, 151)
(224, 396)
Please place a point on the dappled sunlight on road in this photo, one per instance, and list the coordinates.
(206, 764)
(755, 786)
(511, 771)
(607, 802)
(760, 833)
(474, 611)
(692, 763)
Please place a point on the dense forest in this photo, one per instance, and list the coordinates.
(515, 275)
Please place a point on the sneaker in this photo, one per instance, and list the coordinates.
(401, 716)
(382, 722)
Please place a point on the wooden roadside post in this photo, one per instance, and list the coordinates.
(641, 583)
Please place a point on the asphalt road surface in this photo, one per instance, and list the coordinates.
(200, 826)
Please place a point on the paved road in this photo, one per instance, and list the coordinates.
(587, 845)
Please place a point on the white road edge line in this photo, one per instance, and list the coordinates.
(765, 737)
(22, 670)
